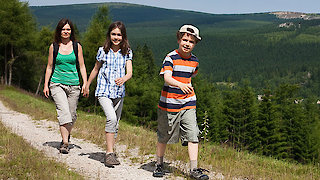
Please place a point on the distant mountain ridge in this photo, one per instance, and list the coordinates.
(146, 24)
(295, 15)
(133, 13)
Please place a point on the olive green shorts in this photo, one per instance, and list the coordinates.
(174, 126)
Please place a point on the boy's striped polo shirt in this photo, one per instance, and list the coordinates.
(172, 98)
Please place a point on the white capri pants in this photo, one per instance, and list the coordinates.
(66, 100)
(112, 109)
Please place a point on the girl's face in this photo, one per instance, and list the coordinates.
(116, 36)
(66, 31)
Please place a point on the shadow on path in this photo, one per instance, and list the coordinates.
(98, 156)
(167, 168)
(56, 144)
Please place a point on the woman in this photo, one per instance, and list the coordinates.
(62, 78)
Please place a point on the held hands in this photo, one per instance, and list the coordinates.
(85, 88)
(85, 91)
(186, 88)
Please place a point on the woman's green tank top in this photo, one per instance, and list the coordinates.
(65, 71)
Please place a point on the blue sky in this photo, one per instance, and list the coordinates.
(209, 6)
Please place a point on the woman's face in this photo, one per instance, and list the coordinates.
(116, 36)
(66, 31)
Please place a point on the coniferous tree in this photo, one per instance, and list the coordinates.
(210, 100)
(266, 127)
(95, 35)
(284, 98)
(93, 38)
(143, 89)
(16, 33)
(43, 41)
(240, 113)
(231, 114)
(311, 130)
(249, 113)
(206, 104)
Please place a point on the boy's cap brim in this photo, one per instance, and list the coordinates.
(191, 30)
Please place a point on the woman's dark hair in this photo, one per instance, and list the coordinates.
(124, 45)
(61, 23)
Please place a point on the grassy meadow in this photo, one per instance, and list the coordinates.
(225, 160)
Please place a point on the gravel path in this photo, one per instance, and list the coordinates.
(84, 158)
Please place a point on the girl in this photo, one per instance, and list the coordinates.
(63, 76)
(114, 68)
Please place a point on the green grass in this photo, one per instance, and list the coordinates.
(307, 38)
(216, 158)
(18, 160)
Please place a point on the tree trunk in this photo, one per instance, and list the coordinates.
(10, 64)
(5, 66)
(40, 80)
(10, 74)
(38, 88)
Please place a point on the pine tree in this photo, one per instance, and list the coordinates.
(93, 38)
(209, 103)
(16, 33)
(249, 113)
(240, 114)
(266, 130)
(306, 144)
(44, 39)
(143, 89)
(311, 129)
(95, 35)
(287, 122)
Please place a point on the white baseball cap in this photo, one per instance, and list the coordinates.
(191, 30)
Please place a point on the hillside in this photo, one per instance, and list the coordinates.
(135, 16)
(35, 120)
(162, 22)
(234, 46)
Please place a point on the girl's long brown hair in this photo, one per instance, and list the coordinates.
(124, 45)
(61, 23)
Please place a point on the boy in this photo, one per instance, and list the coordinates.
(177, 106)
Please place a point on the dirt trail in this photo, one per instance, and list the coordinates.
(84, 157)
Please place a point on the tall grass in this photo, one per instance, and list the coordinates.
(18, 160)
(216, 158)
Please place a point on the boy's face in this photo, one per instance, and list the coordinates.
(186, 44)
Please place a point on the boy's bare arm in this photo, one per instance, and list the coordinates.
(186, 88)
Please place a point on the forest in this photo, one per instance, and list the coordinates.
(280, 66)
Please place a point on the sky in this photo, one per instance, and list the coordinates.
(208, 6)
